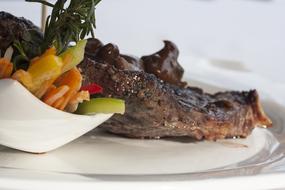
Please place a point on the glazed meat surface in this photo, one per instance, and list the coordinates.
(163, 64)
(157, 109)
(18, 28)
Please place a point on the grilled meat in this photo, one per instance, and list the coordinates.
(164, 64)
(158, 109)
(14, 28)
(110, 54)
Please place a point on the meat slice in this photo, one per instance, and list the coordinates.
(110, 54)
(157, 109)
(164, 64)
(15, 28)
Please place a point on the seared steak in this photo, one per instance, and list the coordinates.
(110, 54)
(164, 64)
(14, 28)
(157, 109)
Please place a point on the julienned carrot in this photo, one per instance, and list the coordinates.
(66, 97)
(6, 68)
(51, 80)
(73, 80)
(55, 94)
(58, 103)
(59, 94)
(52, 87)
(44, 88)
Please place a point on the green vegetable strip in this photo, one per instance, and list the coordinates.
(101, 105)
(76, 53)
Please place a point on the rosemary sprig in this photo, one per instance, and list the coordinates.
(69, 23)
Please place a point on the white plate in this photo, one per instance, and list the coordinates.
(107, 162)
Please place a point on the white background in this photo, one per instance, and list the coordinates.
(250, 31)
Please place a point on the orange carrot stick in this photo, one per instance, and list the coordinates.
(55, 94)
(9, 70)
(73, 80)
(6, 68)
(3, 66)
(52, 87)
(43, 89)
(67, 98)
(58, 103)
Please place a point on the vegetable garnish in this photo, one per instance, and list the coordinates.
(92, 89)
(68, 24)
(73, 55)
(102, 105)
(6, 67)
(50, 71)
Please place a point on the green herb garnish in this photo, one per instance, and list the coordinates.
(68, 23)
